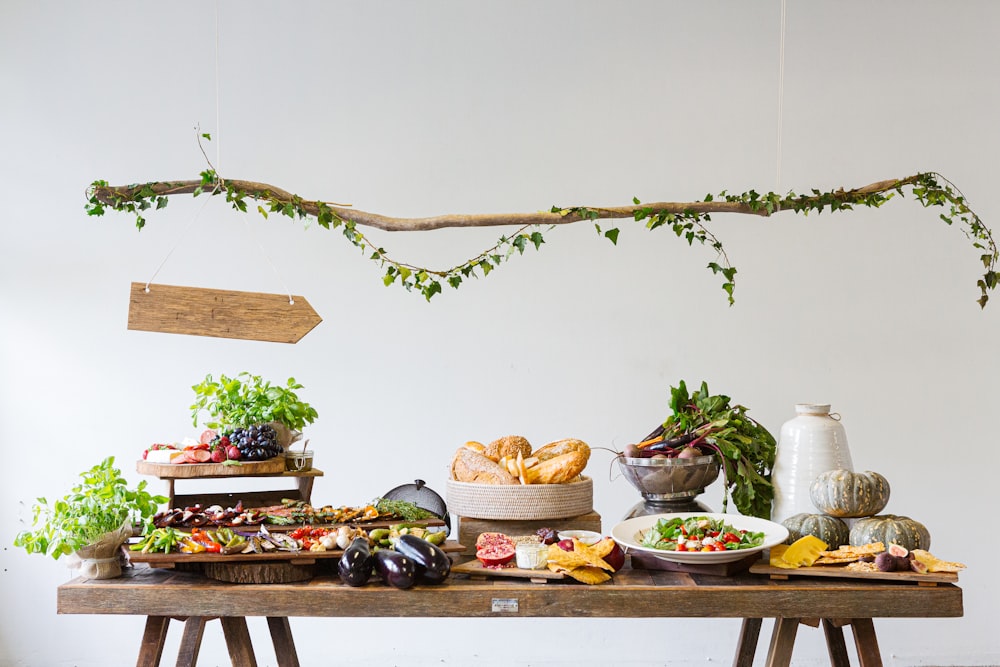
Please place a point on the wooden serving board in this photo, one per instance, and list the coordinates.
(839, 571)
(173, 559)
(477, 570)
(193, 470)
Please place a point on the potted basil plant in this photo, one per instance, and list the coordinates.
(249, 400)
(92, 521)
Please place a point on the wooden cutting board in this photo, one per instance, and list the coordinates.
(476, 569)
(171, 560)
(193, 470)
(839, 571)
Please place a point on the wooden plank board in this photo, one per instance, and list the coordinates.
(171, 560)
(199, 311)
(474, 568)
(838, 571)
(196, 470)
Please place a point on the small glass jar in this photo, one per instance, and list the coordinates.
(298, 460)
(531, 555)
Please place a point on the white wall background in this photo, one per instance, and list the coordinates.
(419, 108)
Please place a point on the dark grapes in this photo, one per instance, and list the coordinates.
(259, 442)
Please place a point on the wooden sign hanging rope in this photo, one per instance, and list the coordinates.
(198, 311)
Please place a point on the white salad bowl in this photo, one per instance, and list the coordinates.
(626, 534)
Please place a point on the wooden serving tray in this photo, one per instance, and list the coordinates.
(194, 470)
(839, 571)
(173, 559)
(476, 570)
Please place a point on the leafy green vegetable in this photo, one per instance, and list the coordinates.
(668, 534)
(744, 448)
(248, 399)
(403, 509)
(98, 505)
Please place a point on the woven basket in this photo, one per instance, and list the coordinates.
(517, 502)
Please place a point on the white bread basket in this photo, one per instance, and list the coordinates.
(520, 502)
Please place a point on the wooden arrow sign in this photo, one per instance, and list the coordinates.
(197, 311)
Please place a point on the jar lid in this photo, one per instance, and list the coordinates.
(812, 408)
(422, 496)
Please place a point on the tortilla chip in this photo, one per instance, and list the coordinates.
(603, 548)
(589, 575)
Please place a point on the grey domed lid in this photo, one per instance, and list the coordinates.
(422, 496)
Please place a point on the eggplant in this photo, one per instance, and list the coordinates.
(433, 564)
(395, 569)
(355, 565)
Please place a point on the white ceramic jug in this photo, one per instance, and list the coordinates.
(811, 443)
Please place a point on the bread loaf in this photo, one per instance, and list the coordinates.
(560, 447)
(470, 466)
(559, 469)
(508, 446)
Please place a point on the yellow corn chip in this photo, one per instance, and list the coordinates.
(566, 559)
(602, 548)
(589, 575)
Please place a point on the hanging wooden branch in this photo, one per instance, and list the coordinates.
(196, 311)
(685, 219)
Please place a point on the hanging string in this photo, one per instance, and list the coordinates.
(182, 234)
(218, 98)
(781, 95)
(291, 300)
(218, 171)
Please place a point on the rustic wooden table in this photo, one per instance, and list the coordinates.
(833, 603)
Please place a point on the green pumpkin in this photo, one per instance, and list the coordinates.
(891, 529)
(830, 529)
(848, 495)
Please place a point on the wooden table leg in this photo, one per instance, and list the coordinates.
(779, 653)
(835, 645)
(281, 637)
(746, 645)
(153, 637)
(238, 641)
(194, 629)
(866, 642)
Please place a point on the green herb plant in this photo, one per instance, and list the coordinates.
(745, 449)
(248, 399)
(101, 503)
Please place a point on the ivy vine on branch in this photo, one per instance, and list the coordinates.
(686, 220)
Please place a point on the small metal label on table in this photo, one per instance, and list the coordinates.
(504, 605)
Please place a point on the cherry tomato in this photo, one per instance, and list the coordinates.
(731, 537)
(682, 547)
(707, 547)
(719, 546)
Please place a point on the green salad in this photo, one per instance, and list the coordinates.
(698, 533)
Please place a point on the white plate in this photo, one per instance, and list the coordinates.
(625, 534)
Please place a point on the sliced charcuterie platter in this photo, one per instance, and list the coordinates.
(193, 470)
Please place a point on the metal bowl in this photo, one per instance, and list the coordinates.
(668, 479)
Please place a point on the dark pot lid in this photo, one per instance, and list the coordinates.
(422, 496)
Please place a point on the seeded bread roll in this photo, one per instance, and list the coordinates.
(508, 446)
(471, 466)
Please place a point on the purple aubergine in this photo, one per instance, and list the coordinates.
(355, 565)
(433, 564)
(395, 569)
